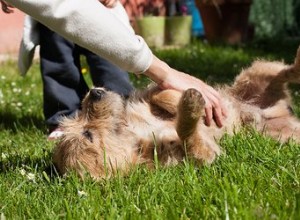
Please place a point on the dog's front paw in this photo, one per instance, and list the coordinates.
(190, 110)
(193, 103)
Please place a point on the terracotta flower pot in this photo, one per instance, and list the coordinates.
(225, 22)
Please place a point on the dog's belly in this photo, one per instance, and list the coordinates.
(145, 125)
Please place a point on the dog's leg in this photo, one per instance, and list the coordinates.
(283, 128)
(167, 100)
(190, 110)
(276, 90)
(290, 74)
(265, 83)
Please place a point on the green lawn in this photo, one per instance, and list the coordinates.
(255, 178)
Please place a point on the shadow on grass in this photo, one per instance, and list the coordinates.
(17, 158)
(14, 123)
(41, 164)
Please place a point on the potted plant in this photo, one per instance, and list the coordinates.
(178, 24)
(158, 26)
(225, 20)
(150, 22)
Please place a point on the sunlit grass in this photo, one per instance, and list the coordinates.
(254, 178)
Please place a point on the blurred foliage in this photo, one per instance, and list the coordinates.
(275, 18)
(297, 14)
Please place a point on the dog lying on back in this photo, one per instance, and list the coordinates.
(112, 134)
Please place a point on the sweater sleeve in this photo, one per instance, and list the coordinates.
(91, 25)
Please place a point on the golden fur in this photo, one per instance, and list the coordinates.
(111, 133)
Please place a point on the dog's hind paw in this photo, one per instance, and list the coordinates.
(203, 155)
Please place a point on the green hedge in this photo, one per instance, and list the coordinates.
(275, 18)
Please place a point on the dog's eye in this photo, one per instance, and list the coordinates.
(88, 135)
(291, 110)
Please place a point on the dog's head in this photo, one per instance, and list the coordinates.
(85, 146)
(100, 104)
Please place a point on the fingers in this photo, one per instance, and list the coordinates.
(214, 109)
(214, 112)
(208, 115)
(109, 3)
(218, 116)
(6, 7)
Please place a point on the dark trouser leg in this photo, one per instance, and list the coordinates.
(64, 85)
(105, 74)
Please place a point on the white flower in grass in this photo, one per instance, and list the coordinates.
(23, 172)
(2, 216)
(13, 84)
(31, 177)
(19, 104)
(3, 77)
(1, 94)
(17, 90)
(4, 155)
(27, 93)
(82, 193)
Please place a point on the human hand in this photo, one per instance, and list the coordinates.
(109, 3)
(167, 77)
(6, 7)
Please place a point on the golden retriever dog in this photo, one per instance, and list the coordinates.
(111, 134)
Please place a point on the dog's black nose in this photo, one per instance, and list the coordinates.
(96, 94)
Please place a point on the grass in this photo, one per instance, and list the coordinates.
(255, 178)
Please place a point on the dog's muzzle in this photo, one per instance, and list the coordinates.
(97, 94)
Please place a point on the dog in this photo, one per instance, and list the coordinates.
(111, 134)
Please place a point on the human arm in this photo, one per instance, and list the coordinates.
(92, 26)
(89, 24)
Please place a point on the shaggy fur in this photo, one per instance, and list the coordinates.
(111, 133)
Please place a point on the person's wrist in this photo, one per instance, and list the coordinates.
(158, 71)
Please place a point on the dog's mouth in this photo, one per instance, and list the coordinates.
(97, 94)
